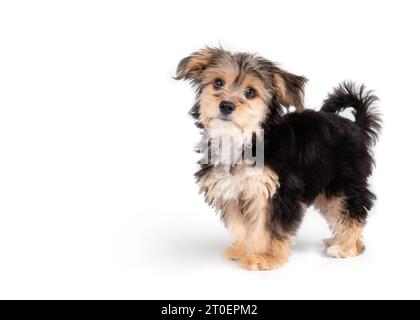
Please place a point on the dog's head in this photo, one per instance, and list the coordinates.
(238, 90)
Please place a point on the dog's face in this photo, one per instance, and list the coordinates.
(238, 90)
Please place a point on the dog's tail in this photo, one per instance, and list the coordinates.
(348, 94)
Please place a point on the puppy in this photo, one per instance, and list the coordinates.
(308, 157)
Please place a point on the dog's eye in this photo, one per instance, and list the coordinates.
(250, 93)
(218, 83)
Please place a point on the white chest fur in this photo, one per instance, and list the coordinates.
(223, 184)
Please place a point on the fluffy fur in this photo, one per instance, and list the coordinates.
(309, 157)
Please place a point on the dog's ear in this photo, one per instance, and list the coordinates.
(191, 67)
(289, 89)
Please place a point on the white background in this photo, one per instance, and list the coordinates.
(97, 195)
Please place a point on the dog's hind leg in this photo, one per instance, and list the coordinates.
(346, 224)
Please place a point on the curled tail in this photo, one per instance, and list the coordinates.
(349, 95)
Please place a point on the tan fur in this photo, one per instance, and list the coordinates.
(254, 246)
(196, 64)
(281, 87)
(239, 72)
(347, 233)
(274, 255)
(222, 185)
(234, 252)
(286, 98)
(242, 194)
(235, 223)
(249, 114)
(262, 261)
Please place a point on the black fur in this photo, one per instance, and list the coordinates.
(347, 95)
(321, 152)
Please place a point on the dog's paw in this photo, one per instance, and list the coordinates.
(329, 242)
(340, 251)
(234, 253)
(261, 262)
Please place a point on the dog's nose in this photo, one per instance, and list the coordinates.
(226, 107)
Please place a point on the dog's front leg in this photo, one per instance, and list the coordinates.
(271, 226)
(253, 246)
(264, 251)
(236, 224)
